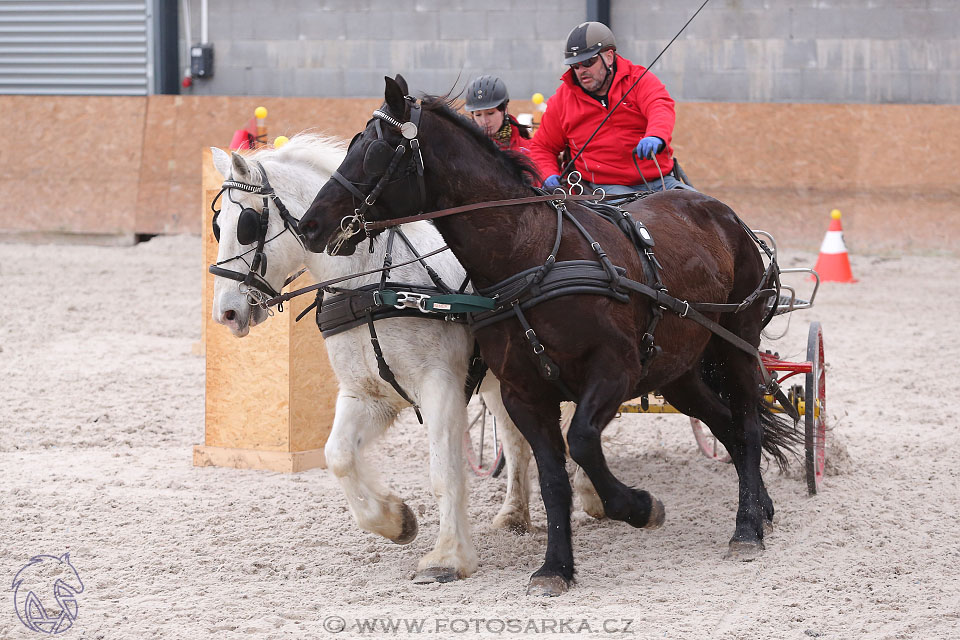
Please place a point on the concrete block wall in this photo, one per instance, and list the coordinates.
(841, 51)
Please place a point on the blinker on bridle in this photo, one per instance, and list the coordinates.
(252, 228)
(381, 160)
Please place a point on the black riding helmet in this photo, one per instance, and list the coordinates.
(487, 92)
(587, 40)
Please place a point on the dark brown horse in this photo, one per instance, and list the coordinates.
(706, 254)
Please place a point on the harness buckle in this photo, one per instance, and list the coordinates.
(410, 300)
(686, 309)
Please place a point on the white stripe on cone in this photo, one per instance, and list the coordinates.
(833, 243)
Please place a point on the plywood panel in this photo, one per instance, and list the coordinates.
(118, 165)
(270, 392)
(70, 165)
(247, 379)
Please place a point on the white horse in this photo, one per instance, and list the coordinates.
(429, 357)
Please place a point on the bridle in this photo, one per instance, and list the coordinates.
(382, 160)
(252, 229)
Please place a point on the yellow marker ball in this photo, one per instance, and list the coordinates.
(835, 214)
(537, 98)
(279, 141)
(260, 112)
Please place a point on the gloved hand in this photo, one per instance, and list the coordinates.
(552, 182)
(649, 147)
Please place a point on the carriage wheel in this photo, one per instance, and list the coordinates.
(708, 443)
(481, 446)
(815, 410)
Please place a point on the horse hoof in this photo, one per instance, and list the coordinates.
(410, 528)
(657, 515)
(743, 551)
(547, 586)
(597, 514)
(514, 524)
(437, 574)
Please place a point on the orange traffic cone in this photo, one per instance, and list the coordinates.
(833, 265)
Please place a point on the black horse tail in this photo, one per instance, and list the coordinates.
(780, 437)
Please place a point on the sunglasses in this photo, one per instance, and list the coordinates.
(586, 64)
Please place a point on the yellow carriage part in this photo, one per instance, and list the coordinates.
(656, 404)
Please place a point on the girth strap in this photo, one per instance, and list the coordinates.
(384, 369)
(548, 368)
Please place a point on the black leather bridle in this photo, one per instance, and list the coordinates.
(252, 229)
(381, 160)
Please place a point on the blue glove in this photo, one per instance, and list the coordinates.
(552, 182)
(649, 147)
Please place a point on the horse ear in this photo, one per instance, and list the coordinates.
(241, 170)
(221, 161)
(403, 84)
(393, 95)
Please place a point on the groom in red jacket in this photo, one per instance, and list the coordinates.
(631, 152)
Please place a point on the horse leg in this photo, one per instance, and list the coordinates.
(741, 380)
(690, 395)
(454, 556)
(598, 405)
(589, 498)
(582, 487)
(538, 421)
(514, 515)
(358, 422)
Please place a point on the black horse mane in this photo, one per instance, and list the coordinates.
(516, 165)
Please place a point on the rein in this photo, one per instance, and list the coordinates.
(280, 299)
(490, 204)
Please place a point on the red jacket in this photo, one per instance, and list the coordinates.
(517, 142)
(572, 115)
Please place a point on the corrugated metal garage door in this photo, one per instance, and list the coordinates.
(74, 47)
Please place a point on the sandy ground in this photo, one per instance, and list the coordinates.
(103, 399)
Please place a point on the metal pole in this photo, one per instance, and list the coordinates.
(204, 32)
(598, 11)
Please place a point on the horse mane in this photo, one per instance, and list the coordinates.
(516, 165)
(321, 153)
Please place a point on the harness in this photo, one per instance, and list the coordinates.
(553, 279)
(252, 229)
(349, 308)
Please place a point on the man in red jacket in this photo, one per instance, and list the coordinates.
(631, 152)
(486, 102)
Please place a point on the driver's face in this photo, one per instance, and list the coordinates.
(594, 77)
(490, 120)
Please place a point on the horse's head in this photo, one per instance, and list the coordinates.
(256, 228)
(381, 177)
